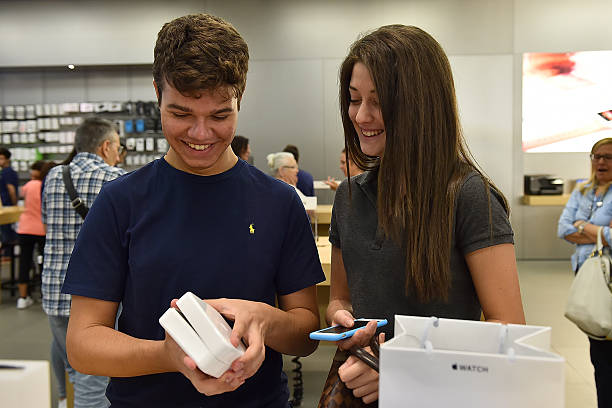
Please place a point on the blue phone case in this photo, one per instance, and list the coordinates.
(317, 335)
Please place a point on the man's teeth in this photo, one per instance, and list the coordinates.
(198, 147)
(369, 133)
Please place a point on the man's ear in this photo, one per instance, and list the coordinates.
(103, 149)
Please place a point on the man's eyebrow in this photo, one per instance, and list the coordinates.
(179, 107)
(186, 109)
(223, 110)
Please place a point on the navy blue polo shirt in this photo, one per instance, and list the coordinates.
(158, 232)
(8, 176)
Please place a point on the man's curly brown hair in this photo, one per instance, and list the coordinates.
(200, 52)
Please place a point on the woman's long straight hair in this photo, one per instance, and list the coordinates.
(425, 157)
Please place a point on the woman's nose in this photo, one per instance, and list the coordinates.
(364, 114)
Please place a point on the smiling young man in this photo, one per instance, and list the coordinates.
(197, 220)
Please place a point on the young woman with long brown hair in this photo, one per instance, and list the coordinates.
(423, 231)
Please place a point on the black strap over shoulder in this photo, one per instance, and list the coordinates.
(76, 202)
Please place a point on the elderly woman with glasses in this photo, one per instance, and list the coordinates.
(284, 167)
(590, 207)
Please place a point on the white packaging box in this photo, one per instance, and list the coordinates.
(202, 333)
(27, 385)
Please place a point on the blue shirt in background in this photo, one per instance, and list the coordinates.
(8, 176)
(305, 183)
(585, 207)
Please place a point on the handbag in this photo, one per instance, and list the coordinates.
(335, 393)
(589, 304)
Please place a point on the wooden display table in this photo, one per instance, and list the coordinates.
(9, 215)
(324, 248)
(322, 219)
(322, 214)
(555, 200)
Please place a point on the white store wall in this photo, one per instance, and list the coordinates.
(296, 47)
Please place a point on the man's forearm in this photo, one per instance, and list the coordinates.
(287, 331)
(101, 350)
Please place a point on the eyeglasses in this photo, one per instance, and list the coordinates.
(289, 167)
(121, 148)
(597, 157)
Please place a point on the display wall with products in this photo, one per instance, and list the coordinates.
(42, 126)
(47, 131)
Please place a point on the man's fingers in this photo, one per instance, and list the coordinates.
(188, 361)
(237, 333)
(253, 357)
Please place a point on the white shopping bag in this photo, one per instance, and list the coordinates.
(435, 362)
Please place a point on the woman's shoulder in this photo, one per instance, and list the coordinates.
(473, 191)
(32, 184)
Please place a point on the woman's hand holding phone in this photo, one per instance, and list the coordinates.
(356, 375)
(361, 338)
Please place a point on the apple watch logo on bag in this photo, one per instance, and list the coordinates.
(470, 368)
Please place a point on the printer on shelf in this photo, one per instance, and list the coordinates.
(543, 184)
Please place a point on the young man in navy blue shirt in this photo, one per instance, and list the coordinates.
(197, 220)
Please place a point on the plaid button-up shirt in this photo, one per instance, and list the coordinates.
(89, 172)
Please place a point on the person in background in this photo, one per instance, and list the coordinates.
(241, 147)
(9, 181)
(56, 356)
(588, 208)
(175, 225)
(283, 166)
(97, 151)
(122, 153)
(408, 240)
(30, 232)
(305, 182)
(344, 161)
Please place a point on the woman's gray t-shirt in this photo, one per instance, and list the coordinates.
(375, 266)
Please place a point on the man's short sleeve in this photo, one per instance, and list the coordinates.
(299, 266)
(98, 265)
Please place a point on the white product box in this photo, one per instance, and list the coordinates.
(202, 333)
(149, 144)
(25, 383)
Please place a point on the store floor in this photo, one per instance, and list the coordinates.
(24, 334)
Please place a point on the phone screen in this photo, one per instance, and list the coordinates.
(339, 329)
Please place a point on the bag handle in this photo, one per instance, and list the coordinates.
(373, 361)
(598, 244)
(75, 201)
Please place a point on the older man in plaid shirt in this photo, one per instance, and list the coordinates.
(98, 150)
